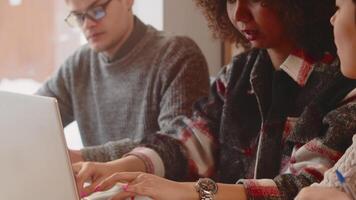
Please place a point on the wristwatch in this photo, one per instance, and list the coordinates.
(206, 188)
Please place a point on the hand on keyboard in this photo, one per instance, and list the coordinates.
(105, 195)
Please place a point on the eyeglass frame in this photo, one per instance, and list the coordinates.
(81, 16)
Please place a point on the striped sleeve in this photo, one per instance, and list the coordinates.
(308, 162)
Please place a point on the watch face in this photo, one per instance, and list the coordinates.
(208, 185)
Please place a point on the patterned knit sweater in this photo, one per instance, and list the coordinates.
(275, 132)
(152, 79)
(346, 165)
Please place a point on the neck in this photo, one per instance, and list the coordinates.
(110, 53)
(279, 55)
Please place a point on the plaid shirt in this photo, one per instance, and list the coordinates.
(274, 131)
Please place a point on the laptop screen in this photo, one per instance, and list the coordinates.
(33, 151)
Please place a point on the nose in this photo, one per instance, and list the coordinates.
(88, 22)
(242, 11)
(332, 20)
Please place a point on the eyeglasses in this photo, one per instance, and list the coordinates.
(76, 19)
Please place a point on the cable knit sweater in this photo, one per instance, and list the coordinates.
(346, 165)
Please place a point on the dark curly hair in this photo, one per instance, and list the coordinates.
(306, 21)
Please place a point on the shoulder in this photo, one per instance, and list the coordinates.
(79, 59)
(341, 126)
(167, 42)
(84, 53)
(326, 72)
(183, 42)
(73, 68)
(344, 115)
(69, 70)
(176, 53)
(337, 97)
(332, 89)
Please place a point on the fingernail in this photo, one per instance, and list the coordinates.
(124, 187)
(97, 189)
(83, 194)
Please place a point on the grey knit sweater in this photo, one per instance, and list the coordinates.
(152, 79)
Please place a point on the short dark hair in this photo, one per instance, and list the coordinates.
(306, 21)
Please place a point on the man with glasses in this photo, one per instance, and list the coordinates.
(128, 81)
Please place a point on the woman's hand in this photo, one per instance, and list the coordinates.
(321, 193)
(90, 172)
(148, 185)
(95, 172)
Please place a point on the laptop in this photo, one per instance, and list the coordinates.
(35, 164)
(34, 159)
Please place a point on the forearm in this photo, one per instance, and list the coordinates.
(231, 191)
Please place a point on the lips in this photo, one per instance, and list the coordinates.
(94, 36)
(250, 34)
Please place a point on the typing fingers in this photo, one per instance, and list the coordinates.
(122, 177)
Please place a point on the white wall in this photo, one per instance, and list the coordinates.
(150, 12)
(181, 17)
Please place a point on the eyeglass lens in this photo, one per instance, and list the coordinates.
(95, 14)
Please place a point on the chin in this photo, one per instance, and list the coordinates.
(97, 47)
(259, 45)
(349, 71)
(347, 62)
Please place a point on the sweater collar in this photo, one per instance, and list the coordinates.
(138, 31)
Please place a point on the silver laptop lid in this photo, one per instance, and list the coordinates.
(34, 158)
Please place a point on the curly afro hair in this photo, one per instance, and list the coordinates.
(306, 21)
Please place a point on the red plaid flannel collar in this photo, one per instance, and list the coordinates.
(299, 65)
